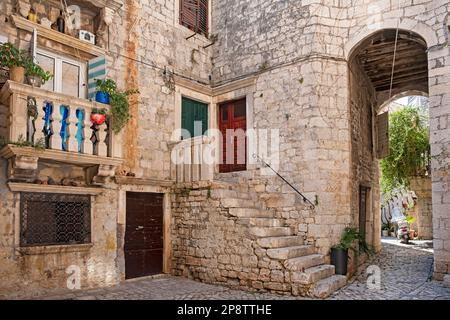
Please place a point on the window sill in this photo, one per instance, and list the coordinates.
(39, 250)
(86, 47)
(200, 38)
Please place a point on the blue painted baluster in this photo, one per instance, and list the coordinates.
(64, 110)
(47, 130)
(80, 127)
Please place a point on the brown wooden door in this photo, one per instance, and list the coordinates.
(143, 234)
(233, 116)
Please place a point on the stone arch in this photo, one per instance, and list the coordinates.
(423, 30)
(399, 96)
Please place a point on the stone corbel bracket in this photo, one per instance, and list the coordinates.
(23, 168)
(104, 171)
(106, 19)
(23, 163)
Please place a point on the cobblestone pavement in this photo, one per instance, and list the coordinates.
(405, 275)
(405, 272)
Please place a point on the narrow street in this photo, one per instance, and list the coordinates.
(405, 275)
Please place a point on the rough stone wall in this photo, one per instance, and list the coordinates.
(35, 274)
(144, 38)
(41, 273)
(213, 246)
(333, 29)
(364, 168)
(309, 108)
(424, 222)
(149, 32)
(209, 245)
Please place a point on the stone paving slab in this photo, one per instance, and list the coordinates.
(405, 274)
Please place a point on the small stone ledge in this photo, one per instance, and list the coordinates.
(57, 249)
(124, 180)
(30, 187)
(58, 37)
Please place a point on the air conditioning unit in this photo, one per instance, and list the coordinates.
(87, 36)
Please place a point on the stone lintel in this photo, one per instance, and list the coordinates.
(125, 180)
(31, 187)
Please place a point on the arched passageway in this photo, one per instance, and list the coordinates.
(388, 64)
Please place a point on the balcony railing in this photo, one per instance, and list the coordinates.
(192, 160)
(62, 122)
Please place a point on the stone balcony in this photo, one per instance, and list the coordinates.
(193, 160)
(63, 127)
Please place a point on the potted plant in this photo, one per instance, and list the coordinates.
(13, 59)
(350, 239)
(120, 109)
(98, 116)
(385, 230)
(105, 88)
(36, 76)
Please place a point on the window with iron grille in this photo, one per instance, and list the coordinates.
(54, 219)
(194, 15)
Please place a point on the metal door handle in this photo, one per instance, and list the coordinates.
(139, 228)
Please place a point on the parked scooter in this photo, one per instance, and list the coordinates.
(402, 226)
(403, 231)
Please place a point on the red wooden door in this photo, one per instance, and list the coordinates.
(143, 234)
(233, 125)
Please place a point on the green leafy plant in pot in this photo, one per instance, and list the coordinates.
(385, 229)
(13, 59)
(118, 100)
(105, 89)
(36, 76)
(351, 239)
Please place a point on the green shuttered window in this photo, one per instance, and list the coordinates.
(194, 117)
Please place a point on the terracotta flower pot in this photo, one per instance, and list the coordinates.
(98, 118)
(17, 74)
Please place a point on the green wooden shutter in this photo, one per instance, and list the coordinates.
(191, 112)
(187, 116)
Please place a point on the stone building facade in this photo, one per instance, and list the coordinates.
(300, 67)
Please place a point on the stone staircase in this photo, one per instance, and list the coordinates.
(308, 274)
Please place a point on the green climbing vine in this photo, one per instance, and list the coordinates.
(409, 145)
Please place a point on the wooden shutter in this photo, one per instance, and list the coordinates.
(194, 15)
(96, 71)
(192, 111)
(187, 116)
(201, 115)
(382, 124)
(202, 19)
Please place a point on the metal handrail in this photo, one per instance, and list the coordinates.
(305, 199)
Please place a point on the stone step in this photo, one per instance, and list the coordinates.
(303, 263)
(266, 222)
(312, 275)
(290, 252)
(250, 213)
(238, 203)
(280, 242)
(225, 193)
(270, 231)
(327, 286)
